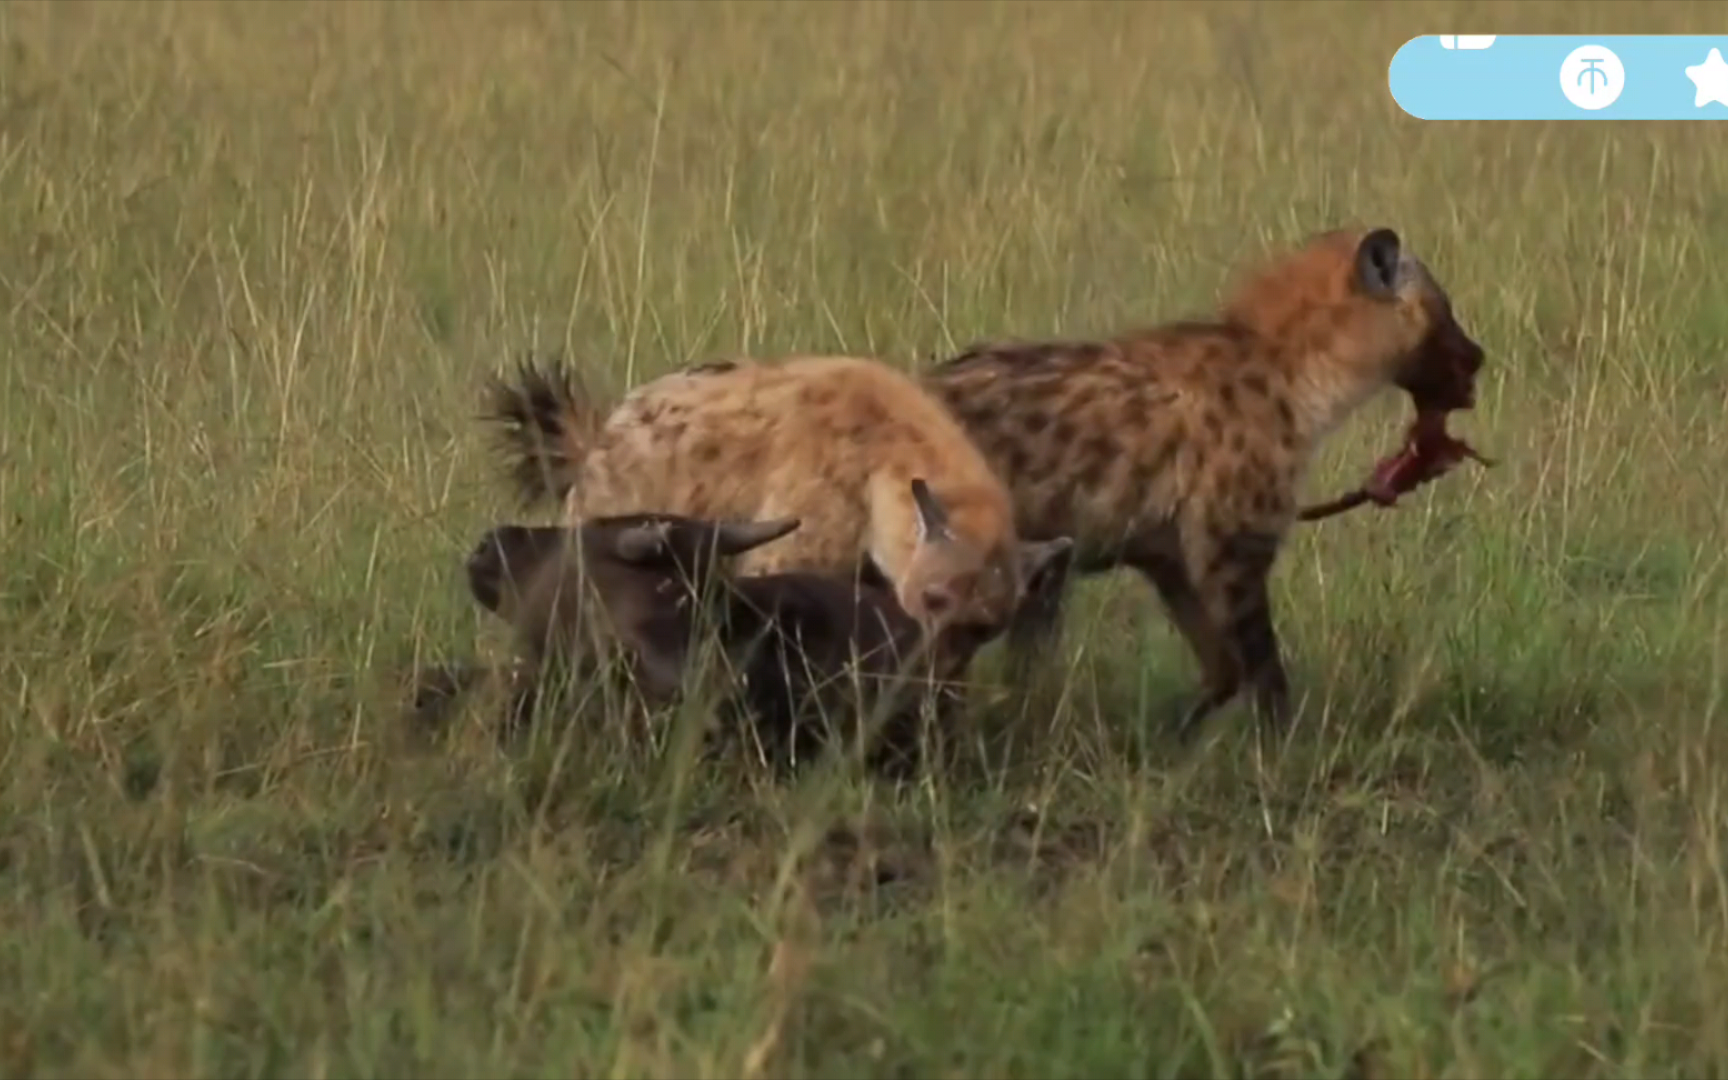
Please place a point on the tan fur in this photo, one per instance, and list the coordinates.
(1180, 449)
(837, 442)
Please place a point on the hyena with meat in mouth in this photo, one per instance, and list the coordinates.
(1179, 450)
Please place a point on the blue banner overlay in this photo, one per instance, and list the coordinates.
(1562, 77)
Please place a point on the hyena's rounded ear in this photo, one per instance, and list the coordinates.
(1377, 260)
(1042, 561)
(932, 515)
(647, 543)
(737, 537)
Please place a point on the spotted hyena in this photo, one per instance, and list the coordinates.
(882, 477)
(1179, 450)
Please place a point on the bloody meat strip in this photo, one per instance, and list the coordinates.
(1429, 452)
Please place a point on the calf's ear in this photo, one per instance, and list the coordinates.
(643, 544)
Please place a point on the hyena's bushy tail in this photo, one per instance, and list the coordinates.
(546, 421)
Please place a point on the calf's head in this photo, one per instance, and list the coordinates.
(622, 583)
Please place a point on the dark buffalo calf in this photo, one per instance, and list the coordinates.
(806, 648)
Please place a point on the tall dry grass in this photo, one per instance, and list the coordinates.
(255, 260)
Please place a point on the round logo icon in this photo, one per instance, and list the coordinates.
(1591, 77)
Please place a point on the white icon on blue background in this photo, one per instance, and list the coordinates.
(1466, 41)
(1562, 77)
(1711, 79)
(1592, 77)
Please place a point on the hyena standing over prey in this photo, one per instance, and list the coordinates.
(880, 474)
(1179, 450)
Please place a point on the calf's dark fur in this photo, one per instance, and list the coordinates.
(644, 589)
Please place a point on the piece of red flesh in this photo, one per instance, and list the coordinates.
(1429, 452)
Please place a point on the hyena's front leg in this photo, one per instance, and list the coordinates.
(1037, 621)
(1231, 585)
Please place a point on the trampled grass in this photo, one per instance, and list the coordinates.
(255, 260)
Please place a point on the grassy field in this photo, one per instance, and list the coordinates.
(256, 260)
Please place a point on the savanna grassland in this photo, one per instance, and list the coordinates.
(255, 262)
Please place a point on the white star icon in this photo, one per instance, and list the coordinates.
(1711, 79)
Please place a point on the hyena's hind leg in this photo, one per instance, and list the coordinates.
(1181, 600)
(1226, 615)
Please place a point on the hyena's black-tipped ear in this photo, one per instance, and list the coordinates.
(932, 515)
(1377, 258)
(1044, 560)
(737, 537)
(506, 557)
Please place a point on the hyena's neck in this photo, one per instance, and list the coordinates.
(1324, 394)
(1328, 370)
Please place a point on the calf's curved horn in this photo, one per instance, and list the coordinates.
(737, 537)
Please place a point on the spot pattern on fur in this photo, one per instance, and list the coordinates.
(1179, 449)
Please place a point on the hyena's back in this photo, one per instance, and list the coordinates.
(1093, 442)
(829, 440)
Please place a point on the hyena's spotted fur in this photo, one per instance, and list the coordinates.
(881, 475)
(1179, 450)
